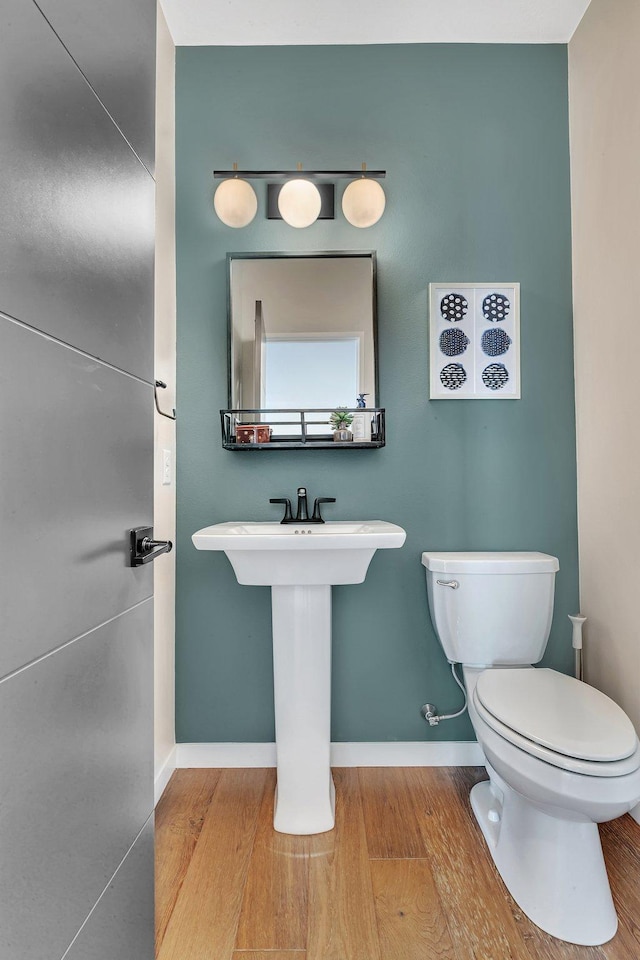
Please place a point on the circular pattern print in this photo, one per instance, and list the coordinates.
(495, 341)
(495, 376)
(453, 307)
(453, 342)
(453, 376)
(495, 307)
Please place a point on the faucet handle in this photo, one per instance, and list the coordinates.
(316, 507)
(288, 517)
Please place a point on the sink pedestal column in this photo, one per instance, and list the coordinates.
(305, 795)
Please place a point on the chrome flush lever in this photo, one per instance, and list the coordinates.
(449, 583)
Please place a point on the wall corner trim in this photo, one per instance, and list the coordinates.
(385, 754)
(163, 775)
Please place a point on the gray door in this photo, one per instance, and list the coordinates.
(76, 459)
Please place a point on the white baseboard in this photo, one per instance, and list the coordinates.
(386, 754)
(163, 775)
(225, 755)
(451, 753)
(635, 813)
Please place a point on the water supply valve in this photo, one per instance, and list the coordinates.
(430, 713)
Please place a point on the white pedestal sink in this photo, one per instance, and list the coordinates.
(300, 562)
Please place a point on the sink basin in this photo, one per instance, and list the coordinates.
(300, 562)
(276, 554)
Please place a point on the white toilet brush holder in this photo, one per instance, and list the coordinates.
(576, 641)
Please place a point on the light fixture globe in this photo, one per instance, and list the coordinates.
(299, 203)
(363, 202)
(235, 202)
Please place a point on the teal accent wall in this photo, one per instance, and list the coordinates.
(474, 139)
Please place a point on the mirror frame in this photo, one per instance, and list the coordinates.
(289, 255)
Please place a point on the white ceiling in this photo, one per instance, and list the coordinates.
(275, 22)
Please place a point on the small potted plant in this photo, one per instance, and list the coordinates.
(341, 420)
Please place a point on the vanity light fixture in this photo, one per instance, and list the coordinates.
(363, 201)
(299, 201)
(235, 201)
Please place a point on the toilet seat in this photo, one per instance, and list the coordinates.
(559, 720)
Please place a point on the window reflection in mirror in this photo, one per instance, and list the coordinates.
(310, 372)
(302, 330)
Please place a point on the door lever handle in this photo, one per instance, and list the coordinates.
(143, 548)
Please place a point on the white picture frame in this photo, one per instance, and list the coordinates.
(474, 341)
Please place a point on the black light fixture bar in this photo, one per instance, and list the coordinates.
(304, 174)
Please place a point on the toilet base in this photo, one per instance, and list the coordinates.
(553, 868)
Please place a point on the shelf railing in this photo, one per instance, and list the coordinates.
(307, 432)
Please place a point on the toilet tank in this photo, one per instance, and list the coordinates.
(491, 608)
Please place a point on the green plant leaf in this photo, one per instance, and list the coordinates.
(341, 419)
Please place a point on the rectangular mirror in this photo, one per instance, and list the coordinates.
(302, 330)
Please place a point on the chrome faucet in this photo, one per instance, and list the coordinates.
(302, 512)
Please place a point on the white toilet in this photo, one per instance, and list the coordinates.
(561, 756)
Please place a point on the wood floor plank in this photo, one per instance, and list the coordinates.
(205, 917)
(411, 922)
(178, 821)
(390, 814)
(342, 920)
(480, 923)
(269, 955)
(274, 908)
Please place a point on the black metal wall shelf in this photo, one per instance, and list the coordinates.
(304, 438)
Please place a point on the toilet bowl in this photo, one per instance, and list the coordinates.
(561, 756)
(539, 818)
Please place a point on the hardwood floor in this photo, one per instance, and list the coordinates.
(405, 875)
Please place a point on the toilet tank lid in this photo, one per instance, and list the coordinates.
(487, 562)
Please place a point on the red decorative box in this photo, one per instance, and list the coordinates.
(253, 433)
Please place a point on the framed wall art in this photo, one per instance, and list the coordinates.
(474, 341)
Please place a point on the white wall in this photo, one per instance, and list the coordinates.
(165, 430)
(604, 85)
